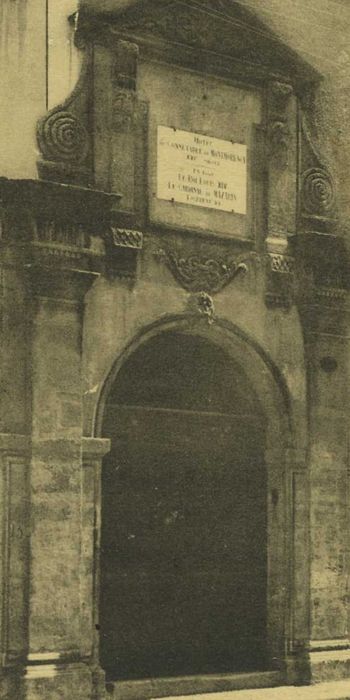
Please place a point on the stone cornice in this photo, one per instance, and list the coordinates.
(218, 27)
(59, 201)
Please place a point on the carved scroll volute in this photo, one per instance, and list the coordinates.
(64, 137)
(281, 164)
(317, 195)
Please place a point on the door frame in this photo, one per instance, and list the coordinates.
(287, 630)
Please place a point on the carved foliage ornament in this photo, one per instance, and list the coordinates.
(197, 274)
(62, 137)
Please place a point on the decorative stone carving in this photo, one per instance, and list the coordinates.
(214, 26)
(278, 129)
(278, 134)
(60, 230)
(123, 110)
(203, 304)
(197, 274)
(281, 263)
(126, 64)
(318, 196)
(67, 233)
(279, 280)
(122, 250)
(279, 96)
(62, 137)
(175, 23)
(332, 295)
(126, 238)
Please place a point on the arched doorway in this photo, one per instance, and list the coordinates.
(183, 587)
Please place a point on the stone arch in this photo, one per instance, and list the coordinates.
(265, 374)
(281, 432)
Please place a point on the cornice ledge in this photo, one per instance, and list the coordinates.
(83, 204)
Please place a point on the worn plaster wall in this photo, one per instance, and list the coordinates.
(39, 66)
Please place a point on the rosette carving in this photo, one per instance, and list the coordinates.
(62, 137)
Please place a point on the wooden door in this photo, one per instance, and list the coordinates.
(183, 563)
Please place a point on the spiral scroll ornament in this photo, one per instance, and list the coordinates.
(61, 137)
(318, 192)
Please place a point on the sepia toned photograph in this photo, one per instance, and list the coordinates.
(175, 349)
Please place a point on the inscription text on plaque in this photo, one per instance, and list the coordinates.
(201, 170)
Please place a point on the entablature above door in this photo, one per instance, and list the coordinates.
(208, 73)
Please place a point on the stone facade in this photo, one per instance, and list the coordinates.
(96, 267)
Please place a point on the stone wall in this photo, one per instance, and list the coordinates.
(64, 331)
(39, 65)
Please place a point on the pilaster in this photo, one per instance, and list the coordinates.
(14, 563)
(53, 237)
(324, 311)
(281, 158)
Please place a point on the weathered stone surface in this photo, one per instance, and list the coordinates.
(66, 333)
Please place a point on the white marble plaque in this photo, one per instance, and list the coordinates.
(201, 170)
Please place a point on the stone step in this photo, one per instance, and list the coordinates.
(335, 690)
(187, 685)
(156, 690)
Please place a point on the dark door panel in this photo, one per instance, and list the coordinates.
(183, 562)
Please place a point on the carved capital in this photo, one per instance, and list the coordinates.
(122, 249)
(126, 238)
(125, 64)
(279, 291)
